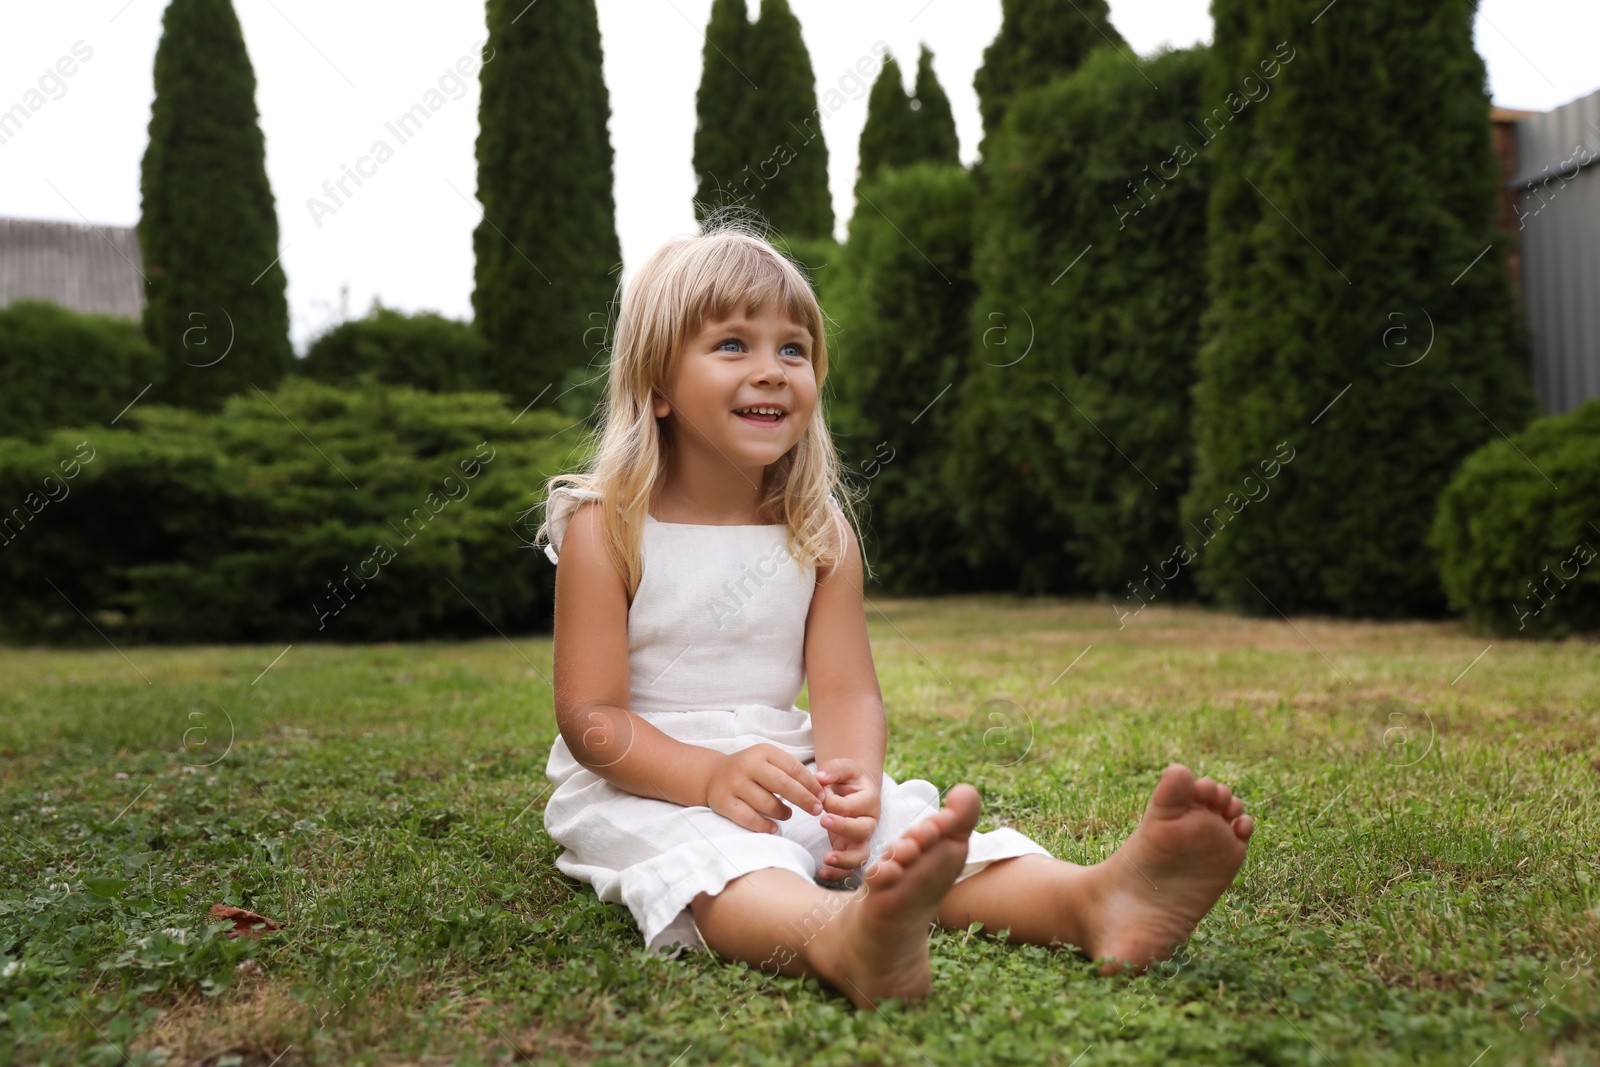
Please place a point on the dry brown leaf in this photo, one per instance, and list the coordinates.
(245, 923)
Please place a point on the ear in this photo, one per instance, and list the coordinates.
(659, 406)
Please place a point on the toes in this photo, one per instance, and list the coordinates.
(1174, 794)
(1244, 826)
(1235, 809)
(908, 848)
(883, 873)
(964, 802)
(1205, 792)
(1223, 799)
(924, 835)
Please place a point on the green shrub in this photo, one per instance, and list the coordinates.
(363, 514)
(892, 135)
(208, 221)
(425, 351)
(1518, 529)
(784, 123)
(1360, 313)
(1072, 434)
(545, 250)
(1039, 42)
(61, 368)
(901, 298)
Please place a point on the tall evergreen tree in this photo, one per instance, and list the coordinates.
(722, 144)
(901, 301)
(1361, 340)
(758, 140)
(1071, 448)
(785, 125)
(891, 136)
(1039, 41)
(901, 130)
(208, 226)
(935, 121)
(547, 244)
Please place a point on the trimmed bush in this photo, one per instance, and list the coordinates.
(61, 368)
(785, 123)
(902, 301)
(546, 247)
(1039, 41)
(891, 136)
(1517, 554)
(1072, 446)
(1361, 318)
(936, 124)
(724, 146)
(365, 514)
(901, 130)
(215, 296)
(425, 351)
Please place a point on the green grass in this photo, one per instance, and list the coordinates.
(1420, 888)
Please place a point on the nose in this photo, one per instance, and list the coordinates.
(770, 369)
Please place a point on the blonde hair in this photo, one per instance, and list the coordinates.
(689, 281)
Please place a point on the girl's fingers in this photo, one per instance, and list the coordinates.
(797, 770)
(775, 781)
(853, 829)
(746, 816)
(850, 805)
(847, 859)
(764, 802)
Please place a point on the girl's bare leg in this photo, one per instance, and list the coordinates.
(1135, 907)
(870, 944)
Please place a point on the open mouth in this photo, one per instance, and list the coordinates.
(762, 416)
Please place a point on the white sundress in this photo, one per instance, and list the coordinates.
(716, 658)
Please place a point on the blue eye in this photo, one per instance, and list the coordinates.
(799, 353)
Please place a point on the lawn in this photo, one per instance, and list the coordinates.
(1421, 887)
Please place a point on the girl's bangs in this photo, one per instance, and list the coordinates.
(742, 277)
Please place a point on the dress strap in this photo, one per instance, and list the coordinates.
(562, 502)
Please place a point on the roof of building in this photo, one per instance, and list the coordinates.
(1558, 143)
(91, 269)
(1510, 114)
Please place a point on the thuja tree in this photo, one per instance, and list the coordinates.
(901, 130)
(547, 246)
(890, 137)
(1039, 41)
(936, 124)
(208, 227)
(901, 303)
(723, 147)
(785, 124)
(1361, 322)
(1071, 447)
(758, 139)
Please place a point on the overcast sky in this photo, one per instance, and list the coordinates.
(330, 74)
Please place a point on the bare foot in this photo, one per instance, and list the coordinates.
(1152, 893)
(878, 948)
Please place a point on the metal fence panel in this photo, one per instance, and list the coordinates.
(1558, 210)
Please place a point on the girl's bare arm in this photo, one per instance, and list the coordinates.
(846, 703)
(592, 684)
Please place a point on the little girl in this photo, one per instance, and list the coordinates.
(706, 573)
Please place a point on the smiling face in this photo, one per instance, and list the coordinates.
(729, 367)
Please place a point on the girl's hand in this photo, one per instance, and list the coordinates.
(746, 785)
(851, 797)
